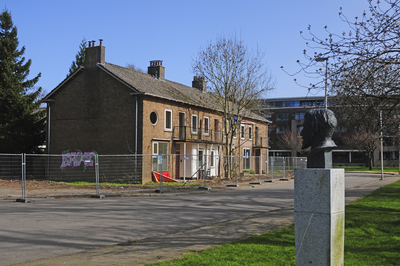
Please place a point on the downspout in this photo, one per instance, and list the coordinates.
(48, 128)
(136, 125)
(136, 135)
(48, 140)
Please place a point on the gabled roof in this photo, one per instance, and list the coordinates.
(143, 83)
(166, 89)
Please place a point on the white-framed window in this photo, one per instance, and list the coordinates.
(160, 151)
(212, 159)
(168, 120)
(195, 123)
(155, 148)
(242, 130)
(250, 132)
(246, 159)
(206, 125)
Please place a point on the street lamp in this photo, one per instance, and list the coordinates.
(322, 59)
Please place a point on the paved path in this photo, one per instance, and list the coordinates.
(195, 222)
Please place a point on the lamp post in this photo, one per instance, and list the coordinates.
(322, 59)
(380, 118)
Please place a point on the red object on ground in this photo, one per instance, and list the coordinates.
(166, 177)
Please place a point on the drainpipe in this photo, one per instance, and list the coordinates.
(136, 125)
(136, 134)
(48, 129)
(48, 140)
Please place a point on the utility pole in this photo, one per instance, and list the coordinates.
(380, 118)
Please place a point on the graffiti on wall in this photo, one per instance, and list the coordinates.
(76, 159)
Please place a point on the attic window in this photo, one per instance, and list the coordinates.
(153, 117)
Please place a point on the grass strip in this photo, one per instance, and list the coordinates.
(150, 184)
(372, 237)
(366, 169)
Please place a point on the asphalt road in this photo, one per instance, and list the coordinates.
(51, 227)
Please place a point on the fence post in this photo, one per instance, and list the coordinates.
(284, 170)
(271, 159)
(159, 166)
(205, 175)
(161, 176)
(97, 175)
(23, 180)
(235, 165)
(259, 169)
(236, 169)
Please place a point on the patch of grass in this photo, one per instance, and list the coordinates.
(372, 234)
(366, 169)
(150, 184)
(372, 237)
(249, 171)
(171, 184)
(89, 184)
(274, 248)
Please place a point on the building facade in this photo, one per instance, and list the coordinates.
(110, 109)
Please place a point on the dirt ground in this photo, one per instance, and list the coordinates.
(13, 188)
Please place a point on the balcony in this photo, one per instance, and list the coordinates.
(197, 134)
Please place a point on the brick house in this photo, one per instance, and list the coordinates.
(115, 110)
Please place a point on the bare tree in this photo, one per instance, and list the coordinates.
(236, 78)
(292, 141)
(366, 142)
(361, 65)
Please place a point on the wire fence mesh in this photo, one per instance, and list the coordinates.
(87, 173)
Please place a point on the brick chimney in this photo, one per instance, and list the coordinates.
(94, 54)
(156, 69)
(199, 83)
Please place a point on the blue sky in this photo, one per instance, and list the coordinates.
(173, 31)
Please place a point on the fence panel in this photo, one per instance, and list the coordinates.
(123, 173)
(11, 173)
(124, 169)
(283, 167)
(49, 175)
(11, 166)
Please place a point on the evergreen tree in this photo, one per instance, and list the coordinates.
(21, 120)
(79, 58)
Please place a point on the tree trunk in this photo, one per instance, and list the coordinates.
(370, 162)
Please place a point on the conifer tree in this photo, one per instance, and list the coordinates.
(21, 121)
(79, 58)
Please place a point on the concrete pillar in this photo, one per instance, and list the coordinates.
(319, 204)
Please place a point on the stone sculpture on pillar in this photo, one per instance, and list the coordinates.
(319, 196)
(318, 128)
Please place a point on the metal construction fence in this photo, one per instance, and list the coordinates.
(43, 175)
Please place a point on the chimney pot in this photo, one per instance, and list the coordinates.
(101, 42)
(156, 69)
